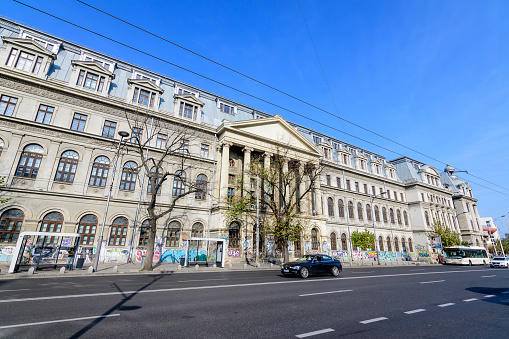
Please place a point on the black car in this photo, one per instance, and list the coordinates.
(312, 264)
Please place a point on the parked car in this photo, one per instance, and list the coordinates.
(500, 262)
(312, 264)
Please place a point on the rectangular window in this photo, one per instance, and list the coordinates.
(184, 92)
(231, 192)
(365, 188)
(395, 195)
(109, 129)
(338, 182)
(373, 191)
(345, 159)
(136, 135)
(161, 140)
(336, 145)
(143, 99)
(401, 195)
(139, 76)
(327, 178)
(78, 122)
(226, 109)
(25, 61)
(101, 84)
(348, 184)
(12, 57)
(37, 66)
(44, 114)
(80, 78)
(231, 179)
(422, 196)
(204, 151)
(316, 139)
(184, 146)
(357, 186)
(7, 105)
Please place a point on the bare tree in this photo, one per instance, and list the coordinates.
(285, 198)
(172, 149)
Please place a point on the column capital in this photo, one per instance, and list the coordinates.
(247, 149)
(267, 154)
(225, 143)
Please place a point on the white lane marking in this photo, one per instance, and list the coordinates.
(373, 320)
(305, 295)
(431, 282)
(226, 286)
(505, 292)
(21, 289)
(415, 311)
(362, 272)
(489, 296)
(445, 305)
(471, 299)
(59, 321)
(488, 276)
(202, 280)
(309, 334)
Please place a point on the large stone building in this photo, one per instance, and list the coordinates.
(62, 106)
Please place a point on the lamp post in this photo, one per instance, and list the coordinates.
(499, 238)
(123, 134)
(377, 246)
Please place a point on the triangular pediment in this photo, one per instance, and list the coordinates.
(190, 98)
(147, 84)
(275, 131)
(361, 156)
(28, 44)
(93, 66)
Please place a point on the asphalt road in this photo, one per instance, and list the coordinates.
(374, 302)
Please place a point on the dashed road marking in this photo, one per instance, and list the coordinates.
(471, 299)
(21, 289)
(305, 295)
(505, 292)
(489, 296)
(488, 276)
(373, 320)
(431, 282)
(59, 321)
(445, 305)
(202, 280)
(310, 334)
(415, 311)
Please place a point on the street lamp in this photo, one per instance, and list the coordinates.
(123, 134)
(499, 237)
(377, 246)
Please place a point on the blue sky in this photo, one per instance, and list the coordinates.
(431, 75)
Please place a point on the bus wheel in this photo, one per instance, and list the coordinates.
(470, 263)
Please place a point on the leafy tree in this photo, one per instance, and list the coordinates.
(505, 244)
(448, 236)
(286, 186)
(363, 240)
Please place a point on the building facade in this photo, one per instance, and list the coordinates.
(62, 106)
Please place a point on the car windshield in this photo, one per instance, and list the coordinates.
(306, 258)
(499, 258)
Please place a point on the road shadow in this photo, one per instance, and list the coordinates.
(118, 306)
(501, 295)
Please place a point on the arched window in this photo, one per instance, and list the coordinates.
(99, 173)
(314, 240)
(391, 214)
(341, 208)
(67, 166)
(396, 244)
(398, 215)
(30, 161)
(173, 234)
(405, 218)
(389, 247)
(350, 210)
(384, 214)
(118, 232)
(234, 235)
(129, 173)
(368, 212)
(333, 242)
(10, 225)
(52, 222)
(426, 216)
(330, 207)
(201, 185)
(410, 247)
(359, 211)
(87, 228)
(158, 179)
(381, 243)
(403, 245)
(377, 214)
(344, 245)
(144, 233)
(196, 232)
(178, 183)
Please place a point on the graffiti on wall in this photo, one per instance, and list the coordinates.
(174, 255)
(307, 246)
(114, 254)
(6, 253)
(270, 247)
(371, 254)
(140, 252)
(388, 256)
(325, 247)
(424, 254)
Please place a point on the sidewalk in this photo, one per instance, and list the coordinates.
(171, 268)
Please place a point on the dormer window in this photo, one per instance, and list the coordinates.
(187, 106)
(49, 45)
(317, 139)
(141, 76)
(228, 109)
(145, 93)
(91, 76)
(179, 90)
(26, 56)
(109, 65)
(143, 97)
(326, 153)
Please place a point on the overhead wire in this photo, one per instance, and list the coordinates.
(251, 95)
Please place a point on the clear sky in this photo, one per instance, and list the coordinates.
(431, 75)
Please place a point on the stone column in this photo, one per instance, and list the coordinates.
(225, 165)
(247, 168)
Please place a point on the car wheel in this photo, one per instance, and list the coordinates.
(491, 266)
(470, 263)
(335, 271)
(304, 273)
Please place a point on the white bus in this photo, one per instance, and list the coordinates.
(466, 255)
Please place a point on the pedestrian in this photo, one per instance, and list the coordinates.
(70, 258)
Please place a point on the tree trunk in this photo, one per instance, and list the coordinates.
(285, 251)
(151, 242)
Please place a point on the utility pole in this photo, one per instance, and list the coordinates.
(257, 218)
